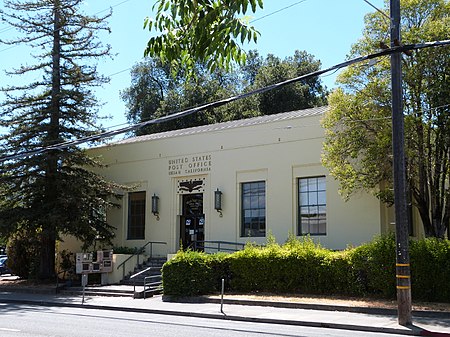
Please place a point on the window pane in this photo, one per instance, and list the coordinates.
(136, 215)
(253, 208)
(314, 227)
(261, 187)
(245, 188)
(312, 205)
(321, 198)
(253, 202)
(304, 211)
(255, 215)
(304, 198)
(262, 201)
(321, 184)
(314, 211)
(323, 211)
(245, 203)
(262, 214)
(322, 227)
(312, 184)
(303, 185)
(305, 227)
(313, 198)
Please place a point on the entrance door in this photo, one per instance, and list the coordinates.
(192, 226)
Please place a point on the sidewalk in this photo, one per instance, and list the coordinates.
(233, 309)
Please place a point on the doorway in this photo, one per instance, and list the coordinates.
(192, 222)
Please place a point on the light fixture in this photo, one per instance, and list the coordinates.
(218, 201)
(155, 206)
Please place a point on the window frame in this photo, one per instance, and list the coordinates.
(136, 231)
(256, 205)
(314, 201)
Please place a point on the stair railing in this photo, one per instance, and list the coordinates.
(151, 285)
(133, 277)
(219, 246)
(138, 253)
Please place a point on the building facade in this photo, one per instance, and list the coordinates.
(237, 182)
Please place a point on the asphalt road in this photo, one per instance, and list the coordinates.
(17, 320)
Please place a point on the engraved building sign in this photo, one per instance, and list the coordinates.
(197, 164)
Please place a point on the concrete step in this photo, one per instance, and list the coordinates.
(139, 281)
(148, 293)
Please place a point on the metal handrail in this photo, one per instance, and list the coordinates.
(141, 272)
(152, 285)
(145, 279)
(139, 252)
(203, 244)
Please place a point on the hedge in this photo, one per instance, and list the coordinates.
(303, 267)
(192, 273)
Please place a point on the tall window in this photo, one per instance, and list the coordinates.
(253, 208)
(136, 216)
(312, 206)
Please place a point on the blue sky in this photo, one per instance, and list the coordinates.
(323, 28)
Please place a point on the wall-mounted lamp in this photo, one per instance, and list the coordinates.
(155, 206)
(218, 201)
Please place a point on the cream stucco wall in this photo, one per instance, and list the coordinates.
(278, 151)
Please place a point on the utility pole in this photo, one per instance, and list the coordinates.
(403, 274)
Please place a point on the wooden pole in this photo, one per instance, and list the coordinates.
(400, 200)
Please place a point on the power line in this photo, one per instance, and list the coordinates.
(378, 10)
(263, 17)
(113, 6)
(5, 29)
(119, 72)
(257, 19)
(108, 134)
(8, 48)
(277, 11)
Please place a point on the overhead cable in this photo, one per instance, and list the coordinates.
(112, 133)
(277, 11)
(377, 9)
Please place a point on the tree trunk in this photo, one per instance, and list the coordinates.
(48, 235)
(47, 255)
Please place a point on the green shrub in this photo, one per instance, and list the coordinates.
(298, 266)
(23, 254)
(430, 269)
(192, 273)
(301, 266)
(373, 267)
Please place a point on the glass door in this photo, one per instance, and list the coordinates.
(192, 222)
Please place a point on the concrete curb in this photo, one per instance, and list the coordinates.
(308, 306)
(413, 331)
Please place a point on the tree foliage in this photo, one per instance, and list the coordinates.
(205, 31)
(298, 95)
(358, 138)
(54, 192)
(154, 92)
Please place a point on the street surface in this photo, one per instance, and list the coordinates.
(23, 320)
